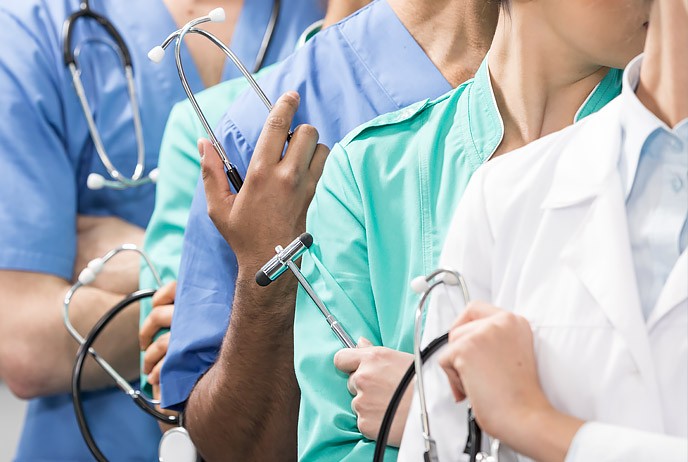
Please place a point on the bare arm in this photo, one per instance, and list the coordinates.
(246, 407)
(249, 400)
(36, 351)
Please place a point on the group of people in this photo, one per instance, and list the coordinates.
(538, 148)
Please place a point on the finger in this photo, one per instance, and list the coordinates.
(218, 194)
(447, 361)
(475, 311)
(155, 352)
(273, 137)
(364, 342)
(351, 385)
(165, 294)
(353, 407)
(302, 147)
(318, 161)
(154, 376)
(159, 318)
(347, 360)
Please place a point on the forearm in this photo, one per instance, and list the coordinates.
(246, 407)
(36, 351)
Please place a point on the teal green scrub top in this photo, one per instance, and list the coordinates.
(378, 219)
(179, 167)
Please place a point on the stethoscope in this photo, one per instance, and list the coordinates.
(424, 285)
(217, 15)
(176, 444)
(118, 179)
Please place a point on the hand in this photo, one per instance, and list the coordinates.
(156, 396)
(374, 374)
(98, 235)
(159, 318)
(271, 207)
(490, 359)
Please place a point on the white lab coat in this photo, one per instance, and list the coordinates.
(543, 232)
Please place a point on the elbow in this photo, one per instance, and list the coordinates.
(22, 373)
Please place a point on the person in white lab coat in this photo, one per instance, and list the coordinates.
(579, 239)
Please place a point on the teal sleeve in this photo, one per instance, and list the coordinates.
(337, 267)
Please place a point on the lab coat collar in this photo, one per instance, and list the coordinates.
(674, 292)
(590, 153)
(598, 253)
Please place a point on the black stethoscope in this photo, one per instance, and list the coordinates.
(117, 179)
(424, 285)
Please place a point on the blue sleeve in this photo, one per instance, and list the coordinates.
(38, 206)
(202, 304)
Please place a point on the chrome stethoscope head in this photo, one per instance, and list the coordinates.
(423, 285)
(95, 180)
(156, 55)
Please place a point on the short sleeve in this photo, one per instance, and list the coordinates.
(38, 206)
(337, 268)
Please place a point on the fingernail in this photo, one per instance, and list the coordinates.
(293, 94)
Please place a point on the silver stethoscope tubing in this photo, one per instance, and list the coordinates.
(424, 285)
(156, 54)
(119, 180)
(87, 276)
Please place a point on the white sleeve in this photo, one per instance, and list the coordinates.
(466, 250)
(611, 443)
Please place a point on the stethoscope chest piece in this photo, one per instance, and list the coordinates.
(176, 446)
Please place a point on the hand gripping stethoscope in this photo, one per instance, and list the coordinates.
(176, 444)
(95, 180)
(156, 54)
(424, 285)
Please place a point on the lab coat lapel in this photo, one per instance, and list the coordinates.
(674, 292)
(586, 182)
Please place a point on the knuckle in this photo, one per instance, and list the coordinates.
(289, 177)
(276, 122)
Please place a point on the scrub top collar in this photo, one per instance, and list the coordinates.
(637, 123)
(482, 109)
(369, 35)
(309, 33)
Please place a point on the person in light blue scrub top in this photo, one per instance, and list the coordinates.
(366, 65)
(46, 155)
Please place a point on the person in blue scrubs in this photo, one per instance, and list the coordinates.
(52, 224)
(369, 64)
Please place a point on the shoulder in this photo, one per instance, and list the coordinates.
(526, 174)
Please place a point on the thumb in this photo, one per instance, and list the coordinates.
(217, 192)
(363, 343)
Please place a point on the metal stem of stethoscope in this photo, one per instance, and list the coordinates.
(424, 285)
(86, 277)
(156, 54)
(96, 181)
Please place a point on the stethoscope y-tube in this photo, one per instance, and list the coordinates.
(156, 54)
(285, 260)
(95, 180)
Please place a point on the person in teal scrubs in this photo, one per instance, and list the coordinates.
(389, 189)
(178, 170)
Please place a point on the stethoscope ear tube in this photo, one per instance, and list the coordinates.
(386, 425)
(78, 370)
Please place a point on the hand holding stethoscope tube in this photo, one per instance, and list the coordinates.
(490, 359)
(272, 204)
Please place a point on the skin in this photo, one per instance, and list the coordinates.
(32, 369)
(259, 417)
(490, 357)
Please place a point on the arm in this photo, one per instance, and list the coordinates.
(246, 406)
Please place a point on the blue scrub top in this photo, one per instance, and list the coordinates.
(46, 155)
(349, 73)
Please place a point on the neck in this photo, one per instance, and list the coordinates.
(663, 85)
(539, 82)
(340, 9)
(455, 34)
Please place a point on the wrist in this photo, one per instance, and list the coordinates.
(543, 433)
